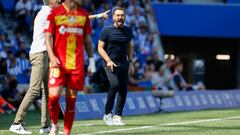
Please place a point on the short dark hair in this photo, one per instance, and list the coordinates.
(118, 8)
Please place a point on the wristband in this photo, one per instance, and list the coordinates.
(91, 66)
(98, 16)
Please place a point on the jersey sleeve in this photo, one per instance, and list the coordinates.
(87, 27)
(103, 35)
(50, 24)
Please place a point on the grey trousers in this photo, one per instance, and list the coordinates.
(38, 82)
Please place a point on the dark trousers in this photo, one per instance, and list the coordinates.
(118, 80)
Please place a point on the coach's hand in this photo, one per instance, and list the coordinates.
(91, 66)
(111, 65)
(131, 68)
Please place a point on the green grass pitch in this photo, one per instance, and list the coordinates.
(207, 122)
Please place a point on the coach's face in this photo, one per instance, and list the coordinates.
(119, 18)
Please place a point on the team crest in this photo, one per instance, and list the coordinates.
(72, 19)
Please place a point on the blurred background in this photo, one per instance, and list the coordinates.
(179, 45)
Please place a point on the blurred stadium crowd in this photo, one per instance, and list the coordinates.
(151, 72)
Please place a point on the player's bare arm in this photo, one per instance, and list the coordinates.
(103, 15)
(88, 45)
(53, 59)
(105, 56)
(89, 50)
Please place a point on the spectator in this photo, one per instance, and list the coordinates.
(182, 85)
(150, 45)
(156, 60)
(149, 70)
(16, 40)
(3, 66)
(133, 5)
(160, 80)
(3, 53)
(141, 39)
(137, 76)
(147, 48)
(22, 48)
(23, 62)
(11, 93)
(12, 67)
(36, 6)
(4, 39)
(23, 15)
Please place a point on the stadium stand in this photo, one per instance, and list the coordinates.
(19, 38)
(16, 36)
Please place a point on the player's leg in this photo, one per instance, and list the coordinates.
(54, 108)
(75, 83)
(55, 84)
(71, 96)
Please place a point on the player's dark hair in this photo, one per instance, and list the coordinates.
(60, 2)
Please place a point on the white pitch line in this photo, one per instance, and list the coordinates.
(169, 124)
(118, 130)
(147, 127)
(200, 121)
(191, 122)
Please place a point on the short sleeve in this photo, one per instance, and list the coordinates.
(103, 35)
(50, 24)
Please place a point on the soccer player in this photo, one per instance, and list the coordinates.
(115, 48)
(39, 73)
(67, 33)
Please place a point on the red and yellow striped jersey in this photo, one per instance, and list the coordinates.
(68, 29)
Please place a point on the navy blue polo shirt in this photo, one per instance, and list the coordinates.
(116, 43)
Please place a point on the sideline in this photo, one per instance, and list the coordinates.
(162, 125)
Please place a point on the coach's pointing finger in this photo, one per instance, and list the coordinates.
(111, 65)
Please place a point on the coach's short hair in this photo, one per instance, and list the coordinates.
(46, 2)
(118, 8)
